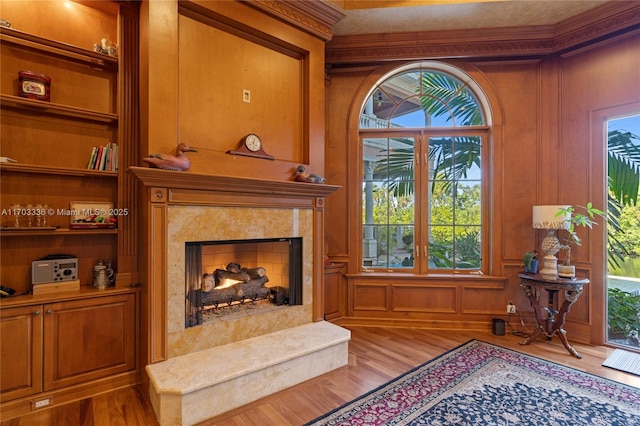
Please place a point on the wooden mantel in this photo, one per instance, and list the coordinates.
(230, 184)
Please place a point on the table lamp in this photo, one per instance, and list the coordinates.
(550, 218)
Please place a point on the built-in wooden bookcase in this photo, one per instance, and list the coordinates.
(52, 140)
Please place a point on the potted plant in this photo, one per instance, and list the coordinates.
(530, 259)
(578, 216)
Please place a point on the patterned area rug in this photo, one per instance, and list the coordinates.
(481, 384)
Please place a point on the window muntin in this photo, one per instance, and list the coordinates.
(426, 210)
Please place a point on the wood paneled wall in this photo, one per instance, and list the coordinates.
(199, 56)
(542, 152)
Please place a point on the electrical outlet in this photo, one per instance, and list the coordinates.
(511, 308)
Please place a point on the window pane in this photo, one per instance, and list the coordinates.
(467, 247)
(401, 247)
(375, 203)
(468, 202)
(455, 250)
(441, 203)
(403, 83)
(409, 113)
(374, 150)
(375, 246)
(447, 100)
(441, 247)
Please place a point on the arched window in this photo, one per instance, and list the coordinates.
(424, 130)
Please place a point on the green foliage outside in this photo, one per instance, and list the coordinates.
(624, 316)
(630, 222)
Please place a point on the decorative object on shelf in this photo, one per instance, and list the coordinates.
(106, 46)
(179, 162)
(34, 86)
(251, 147)
(24, 215)
(548, 218)
(302, 176)
(92, 215)
(16, 210)
(41, 212)
(530, 259)
(54, 268)
(584, 217)
(103, 275)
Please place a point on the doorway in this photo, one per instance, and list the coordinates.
(623, 236)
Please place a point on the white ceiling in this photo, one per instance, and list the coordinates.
(461, 15)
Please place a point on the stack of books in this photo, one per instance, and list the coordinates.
(104, 157)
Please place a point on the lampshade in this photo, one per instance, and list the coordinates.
(546, 217)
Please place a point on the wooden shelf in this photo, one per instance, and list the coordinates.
(48, 170)
(60, 231)
(87, 291)
(10, 101)
(16, 37)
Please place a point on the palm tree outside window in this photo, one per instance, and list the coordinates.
(424, 132)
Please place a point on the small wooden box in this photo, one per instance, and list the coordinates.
(49, 288)
(34, 86)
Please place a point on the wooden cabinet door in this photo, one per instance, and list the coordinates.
(20, 352)
(88, 339)
(333, 288)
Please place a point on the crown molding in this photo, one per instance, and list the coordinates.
(606, 20)
(314, 16)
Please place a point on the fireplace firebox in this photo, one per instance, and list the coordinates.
(238, 275)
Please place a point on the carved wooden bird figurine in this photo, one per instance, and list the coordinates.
(303, 176)
(179, 162)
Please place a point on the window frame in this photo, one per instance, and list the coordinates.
(421, 137)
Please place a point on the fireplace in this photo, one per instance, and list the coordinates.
(230, 278)
(278, 348)
(188, 207)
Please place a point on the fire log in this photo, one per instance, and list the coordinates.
(255, 272)
(222, 275)
(251, 288)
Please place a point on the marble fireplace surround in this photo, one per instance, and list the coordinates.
(188, 206)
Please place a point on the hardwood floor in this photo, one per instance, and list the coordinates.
(376, 355)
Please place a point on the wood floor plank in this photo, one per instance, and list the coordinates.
(376, 355)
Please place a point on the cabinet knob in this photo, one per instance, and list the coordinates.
(36, 313)
(49, 311)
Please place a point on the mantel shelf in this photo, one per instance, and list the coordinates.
(57, 109)
(230, 184)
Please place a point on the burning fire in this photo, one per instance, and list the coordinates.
(226, 283)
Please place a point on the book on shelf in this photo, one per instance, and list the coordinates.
(104, 157)
(92, 157)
